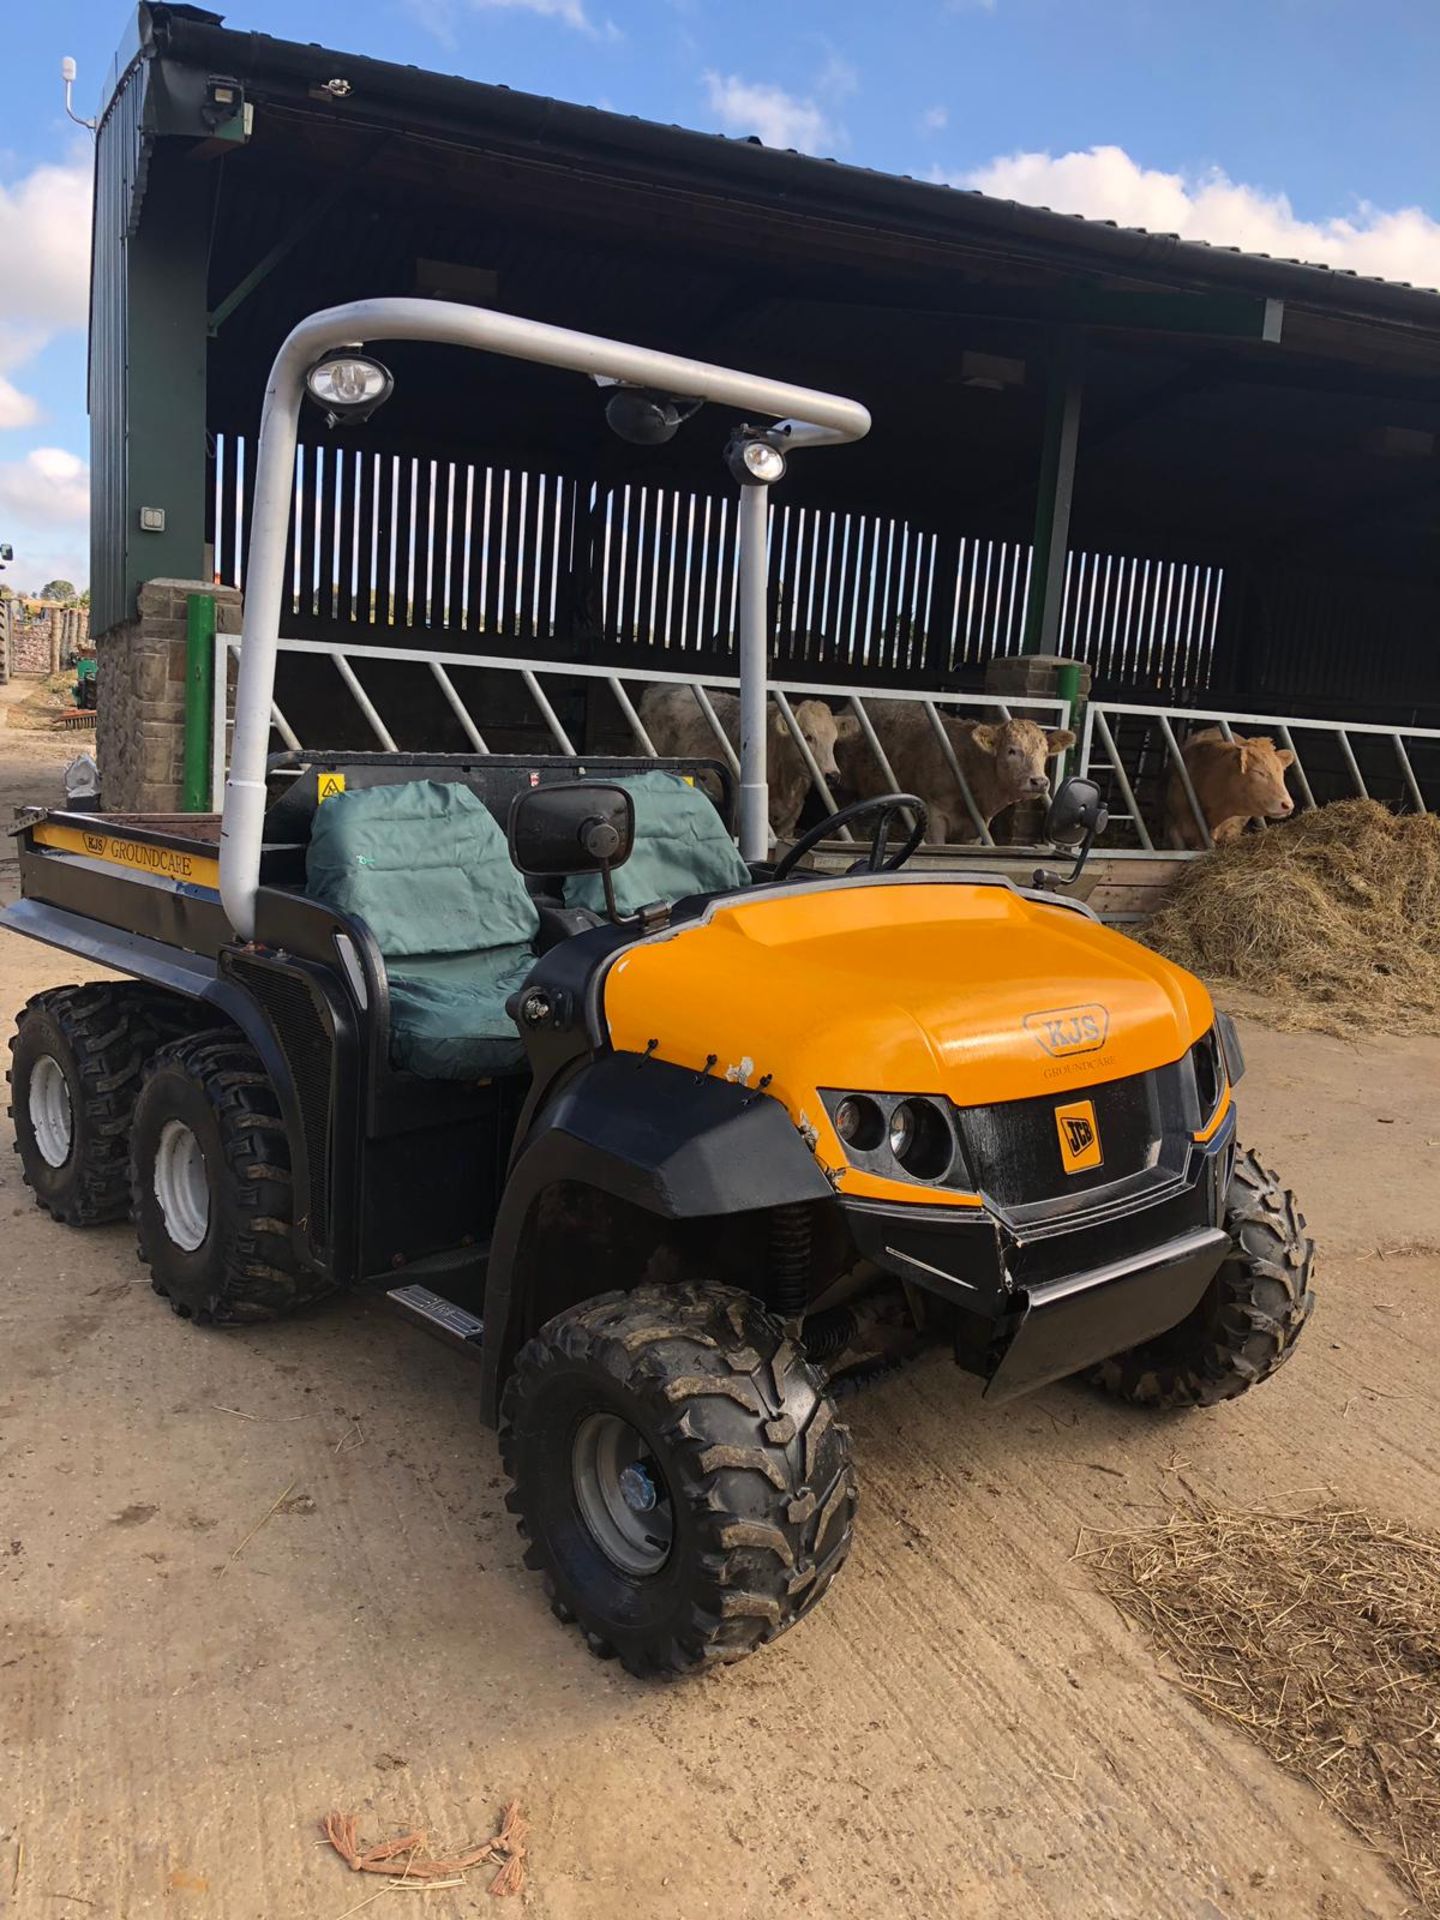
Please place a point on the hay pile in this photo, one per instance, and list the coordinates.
(1319, 1633)
(1336, 916)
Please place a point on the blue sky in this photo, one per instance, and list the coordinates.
(1304, 127)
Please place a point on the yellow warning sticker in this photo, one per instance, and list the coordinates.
(1079, 1137)
(327, 785)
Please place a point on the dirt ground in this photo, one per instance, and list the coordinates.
(964, 1728)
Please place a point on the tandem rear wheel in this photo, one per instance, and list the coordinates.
(211, 1185)
(78, 1057)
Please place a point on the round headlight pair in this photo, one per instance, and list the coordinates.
(916, 1133)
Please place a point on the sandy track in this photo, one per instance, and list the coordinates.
(964, 1727)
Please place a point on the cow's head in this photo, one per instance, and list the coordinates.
(1020, 749)
(1254, 782)
(822, 729)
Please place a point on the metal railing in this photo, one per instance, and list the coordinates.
(1100, 749)
(442, 668)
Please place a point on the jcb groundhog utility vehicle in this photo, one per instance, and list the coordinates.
(677, 1144)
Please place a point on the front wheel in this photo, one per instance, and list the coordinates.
(679, 1473)
(1251, 1315)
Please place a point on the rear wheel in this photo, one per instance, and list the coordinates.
(1252, 1313)
(680, 1475)
(78, 1056)
(211, 1186)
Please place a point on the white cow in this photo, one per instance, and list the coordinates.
(674, 721)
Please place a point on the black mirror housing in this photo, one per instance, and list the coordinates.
(574, 828)
(1076, 813)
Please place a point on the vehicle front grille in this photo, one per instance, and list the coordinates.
(1014, 1153)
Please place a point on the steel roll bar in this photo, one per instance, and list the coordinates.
(807, 417)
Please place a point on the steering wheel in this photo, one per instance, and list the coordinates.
(887, 805)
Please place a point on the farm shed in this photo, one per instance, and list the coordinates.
(1212, 476)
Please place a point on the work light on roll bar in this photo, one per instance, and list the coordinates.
(324, 356)
(754, 459)
(349, 386)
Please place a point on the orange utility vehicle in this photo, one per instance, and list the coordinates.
(676, 1143)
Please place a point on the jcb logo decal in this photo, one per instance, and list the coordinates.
(1079, 1137)
(1067, 1030)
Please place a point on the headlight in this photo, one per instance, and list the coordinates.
(349, 386)
(1230, 1048)
(905, 1136)
(921, 1140)
(859, 1122)
(1209, 1067)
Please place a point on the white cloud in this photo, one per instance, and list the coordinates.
(1104, 183)
(780, 118)
(934, 120)
(438, 16)
(48, 487)
(16, 409)
(45, 245)
(44, 270)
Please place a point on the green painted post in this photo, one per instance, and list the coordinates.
(1067, 687)
(1053, 497)
(199, 699)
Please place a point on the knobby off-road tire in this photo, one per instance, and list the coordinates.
(1252, 1313)
(754, 1493)
(78, 1056)
(221, 1253)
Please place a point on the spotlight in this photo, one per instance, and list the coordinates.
(754, 461)
(349, 386)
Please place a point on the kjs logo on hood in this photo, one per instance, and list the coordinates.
(1066, 1030)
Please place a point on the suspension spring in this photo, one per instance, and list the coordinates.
(788, 1264)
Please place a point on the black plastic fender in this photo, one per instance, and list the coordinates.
(680, 1144)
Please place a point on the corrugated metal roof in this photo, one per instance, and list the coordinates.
(545, 121)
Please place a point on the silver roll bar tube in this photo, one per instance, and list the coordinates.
(808, 419)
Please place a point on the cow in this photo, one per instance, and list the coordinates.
(1002, 763)
(672, 717)
(1235, 781)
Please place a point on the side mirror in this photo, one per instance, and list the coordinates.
(569, 829)
(1076, 813)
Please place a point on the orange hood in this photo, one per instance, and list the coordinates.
(972, 992)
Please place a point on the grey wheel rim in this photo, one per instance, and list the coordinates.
(52, 1119)
(622, 1494)
(182, 1186)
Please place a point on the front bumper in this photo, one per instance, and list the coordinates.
(1050, 1293)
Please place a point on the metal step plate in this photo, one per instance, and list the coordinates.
(439, 1316)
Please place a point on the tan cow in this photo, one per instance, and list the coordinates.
(1235, 781)
(1002, 763)
(673, 720)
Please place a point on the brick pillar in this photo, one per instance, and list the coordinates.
(140, 724)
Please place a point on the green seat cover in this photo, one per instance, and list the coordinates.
(681, 847)
(447, 1013)
(427, 869)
